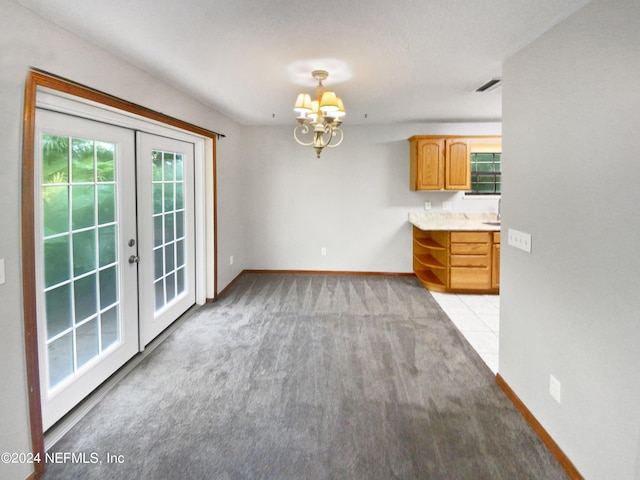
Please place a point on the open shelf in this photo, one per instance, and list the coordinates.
(429, 243)
(429, 278)
(428, 261)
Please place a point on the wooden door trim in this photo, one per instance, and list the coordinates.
(36, 79)
(29, 275)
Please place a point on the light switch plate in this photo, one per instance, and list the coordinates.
(519, 239)
(446, 205)
(2, 276)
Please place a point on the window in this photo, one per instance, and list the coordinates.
(485, 174)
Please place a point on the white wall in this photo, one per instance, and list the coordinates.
(571, 143)
(354, 200)
(28, 41)
(231, 226)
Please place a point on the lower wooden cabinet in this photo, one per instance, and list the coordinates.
(470, 260)
(453, 261)
(495, 261)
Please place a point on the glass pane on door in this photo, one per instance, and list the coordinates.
(80, 252)
(169, 226)
(166, 231)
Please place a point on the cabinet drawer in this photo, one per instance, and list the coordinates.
(469, 248)
(470, 237)
(469, 260)
(469, 278)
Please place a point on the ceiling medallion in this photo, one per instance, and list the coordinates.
(321, 117)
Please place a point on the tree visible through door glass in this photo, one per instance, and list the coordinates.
(79, 226)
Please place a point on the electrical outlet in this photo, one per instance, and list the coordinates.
(519, 240)
(231, 260)
(323, 251)
(554, 388)
(427, 205)
(446, 205)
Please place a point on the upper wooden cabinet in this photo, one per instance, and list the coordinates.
(439, 163)
(457, 164)
(444, 162)
(427, 163)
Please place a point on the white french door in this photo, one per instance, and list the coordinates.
(167, 231)
(115, 256)
(87, 300)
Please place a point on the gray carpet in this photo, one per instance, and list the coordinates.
(310, 377)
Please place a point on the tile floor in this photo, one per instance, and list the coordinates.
(478, 318)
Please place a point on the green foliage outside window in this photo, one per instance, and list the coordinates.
(79, 240)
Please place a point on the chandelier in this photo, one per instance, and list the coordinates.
(321, 117)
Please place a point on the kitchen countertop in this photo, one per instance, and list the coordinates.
(455, 221)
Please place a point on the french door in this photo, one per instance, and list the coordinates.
(166, 231)
(114, 249)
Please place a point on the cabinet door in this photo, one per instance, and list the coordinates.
(470, 278)
(495, 267)
(457, 165)
(429, 164)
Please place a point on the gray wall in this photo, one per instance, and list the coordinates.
(354, 200)
(570, 308)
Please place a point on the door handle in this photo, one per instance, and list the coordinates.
(134, 259)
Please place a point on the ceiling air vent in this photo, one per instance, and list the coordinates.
(490, 85)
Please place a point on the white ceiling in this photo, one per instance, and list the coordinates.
(391, 60)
